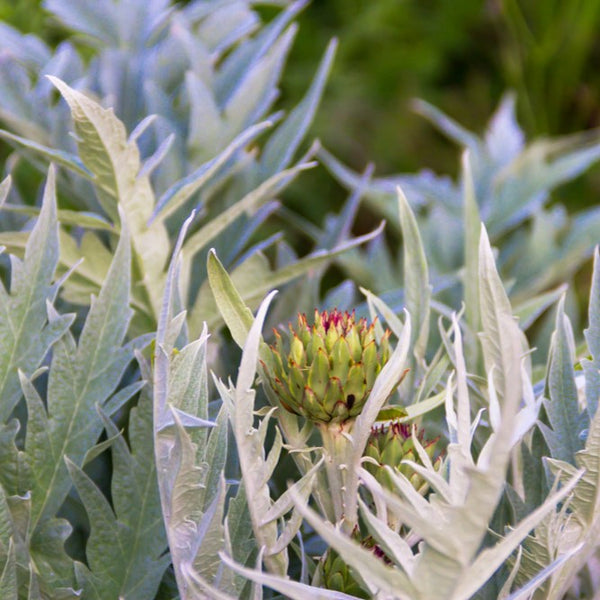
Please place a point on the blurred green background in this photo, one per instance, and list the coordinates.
(460, 55)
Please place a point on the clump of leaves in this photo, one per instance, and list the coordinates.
(175, 138)
(434, 543)
(505, 182)
(411, 545)
(68, 402)
(517, 486)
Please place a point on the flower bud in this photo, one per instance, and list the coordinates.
(325, 371)
(392, 443)
(335, 574)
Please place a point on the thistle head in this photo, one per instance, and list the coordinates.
(336, 575)
(390, 444)
(324, 370)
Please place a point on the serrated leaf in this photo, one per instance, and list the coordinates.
(80, 377)
(25, 334)
(253, 465)
(575, 525)
(192, 490)
(394, 582)
(454, 521)
(108, 543)
(115, 162)
(125, 549)
(564, 416)
(586, 500)
(491, 559)
(186, 519)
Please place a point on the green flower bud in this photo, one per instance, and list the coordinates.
(335, 574)
(391, 444)
(325, 371)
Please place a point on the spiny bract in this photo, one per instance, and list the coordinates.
(326, 370)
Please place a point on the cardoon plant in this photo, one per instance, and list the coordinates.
(325, 372)
(190, 503)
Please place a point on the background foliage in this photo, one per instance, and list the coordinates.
(460, 56)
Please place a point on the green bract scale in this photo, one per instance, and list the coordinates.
(325, 371)
(335, 574)
(391, 444)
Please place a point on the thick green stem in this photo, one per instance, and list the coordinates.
(337, 447)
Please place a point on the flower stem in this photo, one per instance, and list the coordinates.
(336, 446)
